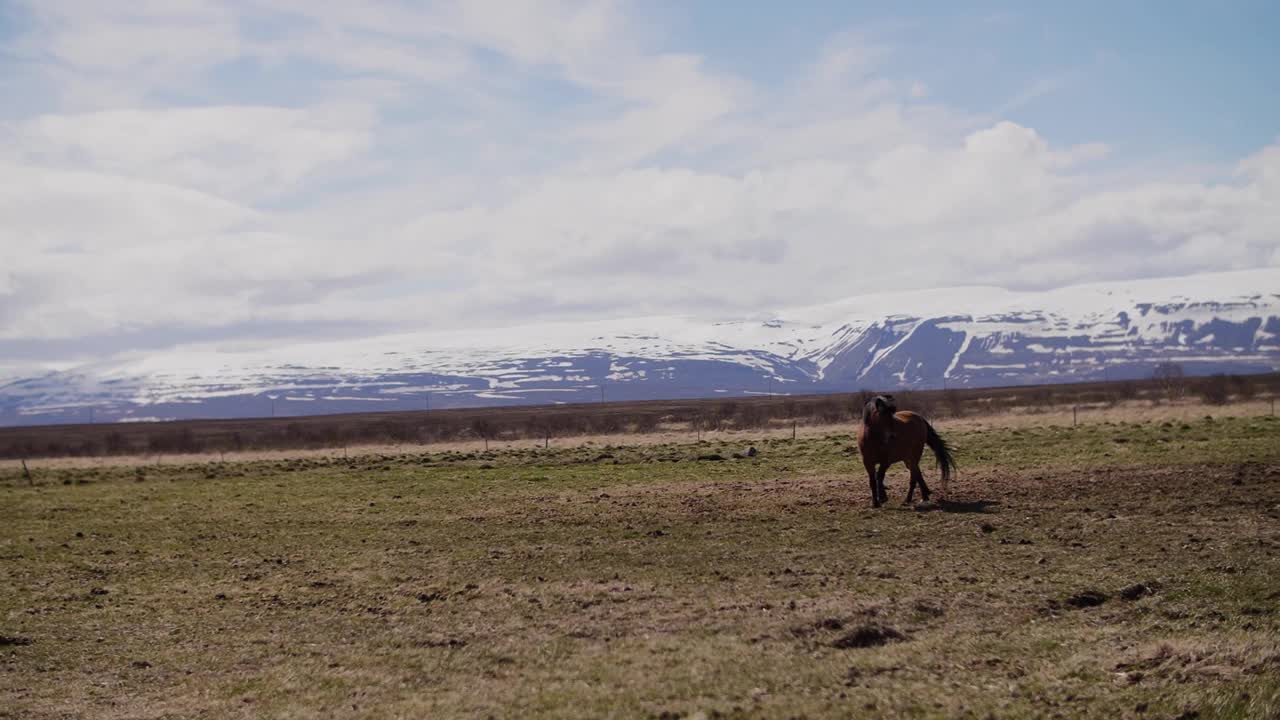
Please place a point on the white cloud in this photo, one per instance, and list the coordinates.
(99, 54)
(247, 152)
(485, 164)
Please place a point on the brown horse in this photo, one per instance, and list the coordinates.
(887, 436)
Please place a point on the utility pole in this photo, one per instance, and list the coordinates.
(601, 392)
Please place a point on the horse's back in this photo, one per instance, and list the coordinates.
(915, 423)
(906, 416)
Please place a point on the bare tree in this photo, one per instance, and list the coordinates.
(484, 429)
(1169, 376)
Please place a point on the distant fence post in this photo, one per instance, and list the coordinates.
(546, 442)
(793, 429)
(1073, 416)
(27, 473)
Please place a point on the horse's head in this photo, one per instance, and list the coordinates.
(878, 414)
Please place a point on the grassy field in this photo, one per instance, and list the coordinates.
(1110, 570)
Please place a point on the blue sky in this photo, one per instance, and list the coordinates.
(224, 172)
(1142, 75)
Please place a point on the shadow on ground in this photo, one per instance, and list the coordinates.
(959, 506)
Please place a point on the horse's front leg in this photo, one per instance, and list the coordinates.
(871, 474)
(881, 495)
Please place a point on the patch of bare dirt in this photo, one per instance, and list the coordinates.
(869, 635)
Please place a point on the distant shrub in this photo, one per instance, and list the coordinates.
(829, 411)
(482, 428)
(1215, 389)
(752, 416)
(954, 402)
(725, 413)
(789, 408)
(860, 400)
(606, 425)
(162, 441)
(920, 403)
(646, 423)
(1243, 387)
(1040, 398)
(1126, 389)
(116, 444)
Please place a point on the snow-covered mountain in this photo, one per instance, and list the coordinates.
(968, 336)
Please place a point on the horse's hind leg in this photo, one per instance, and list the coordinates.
(917, 477)
(879, 483)
(924, 487)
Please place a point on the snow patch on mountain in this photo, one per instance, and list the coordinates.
(958, 336)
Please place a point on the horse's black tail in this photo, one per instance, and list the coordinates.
(946, 463)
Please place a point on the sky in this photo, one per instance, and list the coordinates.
(240, 174)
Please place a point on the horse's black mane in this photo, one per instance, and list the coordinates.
(879, 403)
